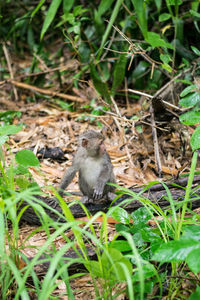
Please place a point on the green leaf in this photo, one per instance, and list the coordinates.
(155, 40)
(9, 115)
(192, 231)
(27, 158)
(9, 129)
(121, 245)
(140, 69)
(149, 236)
(164, 17)
(195, 295)
(112, 267)
(84, 52)
(99, 85)
(137, 237)
(115, 11)
(195, 13)
(184, 81)
(22, 182)
(30, 37)
(158, 4)
(175, 251)
(121, 215)
(102, 8)
(140, 8)
(50, 16)
(190, 100)
(119, 72)
(183, 51)
(193, 260)
(148, 271)
(121, 227)
(105, 71)
(64, 105)
(67, 5)
(140, 216)
(167, 67)
(94, 268)
(174, 2)
(78, 10)
(179, 25)
(190, 118)
(117, 271)
(195, 139)
(21, 170)
(37, 8)
(195, 50)
(165, 58)
(112, 262)
(3, 139)
(188, 90)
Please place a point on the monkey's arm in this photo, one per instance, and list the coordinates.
(68, 177)
(104, 177)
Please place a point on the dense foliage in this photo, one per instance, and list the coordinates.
(135, 44)
(111, 39)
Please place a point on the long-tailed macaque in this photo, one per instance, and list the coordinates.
(94, 166)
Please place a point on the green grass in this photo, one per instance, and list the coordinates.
(134, 257)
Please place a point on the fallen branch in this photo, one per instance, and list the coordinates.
(157, 194)
(46, 91)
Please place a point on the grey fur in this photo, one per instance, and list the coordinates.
(95, 168)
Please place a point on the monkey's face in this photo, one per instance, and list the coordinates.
(95, 147)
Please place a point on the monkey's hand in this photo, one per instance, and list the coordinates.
(86, 199)
(98, 190)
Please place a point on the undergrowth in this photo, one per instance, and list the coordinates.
(140, 261)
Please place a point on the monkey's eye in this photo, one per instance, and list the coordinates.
(84, 142)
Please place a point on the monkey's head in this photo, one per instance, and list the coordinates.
(93, 142)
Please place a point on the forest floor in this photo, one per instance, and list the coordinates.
(128, 142)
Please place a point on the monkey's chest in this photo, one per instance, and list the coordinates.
(90, 170)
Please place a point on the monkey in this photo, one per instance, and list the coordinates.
(95, 169)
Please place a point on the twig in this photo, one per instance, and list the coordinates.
(41, 61)
(61, 68)
(46, 92)
(148, 124)
(155, 142)
(136, 49)
(126, 94)
(124, 140)
(109, 45)
(173, 106)
(126, 8)
(170, 82)
(140, 93)
(150, 96)
(116, 107)
(5, 50)
(129, 122)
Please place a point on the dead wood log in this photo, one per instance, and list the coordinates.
(157, 194)
(43, 263)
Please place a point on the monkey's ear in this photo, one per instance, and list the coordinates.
(84, 142)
